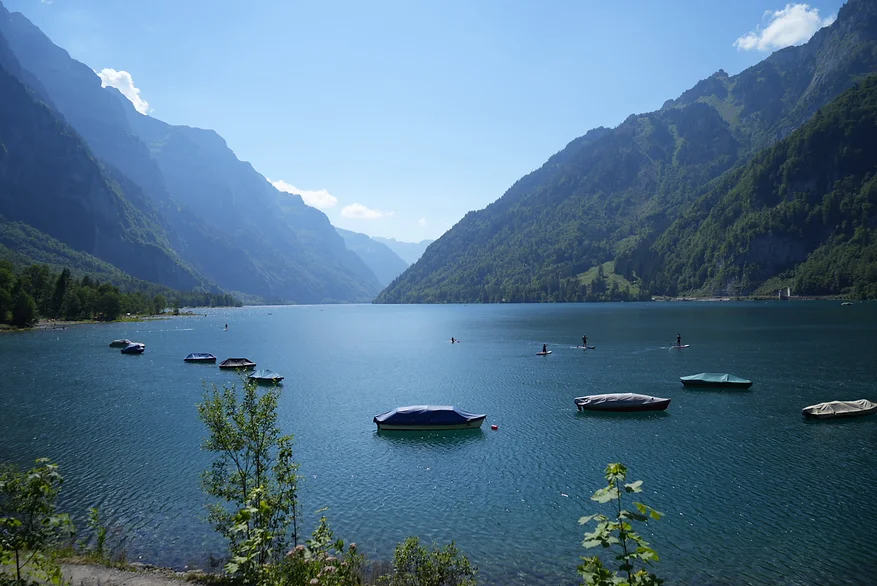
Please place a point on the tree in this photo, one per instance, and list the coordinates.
(159, 302)
(253, 476)
(24, 310)
(29, 524)
(110, 305)
(618, 532)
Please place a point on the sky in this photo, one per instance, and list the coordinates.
(396, 118)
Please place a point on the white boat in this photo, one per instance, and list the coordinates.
(833, 409)
(120, 343)
(428, 418)
(630, 402)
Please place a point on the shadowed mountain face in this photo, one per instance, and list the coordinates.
(410, 252)
(214, 210)
(50, 180)
(614, 192)
(383, 262)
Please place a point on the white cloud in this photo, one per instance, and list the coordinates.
(793, 25)
(122, 81)
(422, 221)
(360, 212)
(320, 198)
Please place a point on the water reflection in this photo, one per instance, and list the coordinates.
(439, 438)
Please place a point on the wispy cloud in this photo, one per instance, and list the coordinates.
(360, 212)
(422, 221)
(793, 25)
(122, 81)
(319, 198)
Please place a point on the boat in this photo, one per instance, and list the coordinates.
(834, 409)
(200, 357)
(428, 418)
(715, 379)
(266, 377)
(543, 353)
(237, 363)
(124, 342)
(134, 348)
(621, 402)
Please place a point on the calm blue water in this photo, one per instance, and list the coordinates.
(752, 493)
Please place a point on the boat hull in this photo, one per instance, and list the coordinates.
(473, 424)
(725, 385)
(657, 406)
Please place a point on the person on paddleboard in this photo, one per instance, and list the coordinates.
(453, 341)
(584, 341)
(544, 348)
(678, 339)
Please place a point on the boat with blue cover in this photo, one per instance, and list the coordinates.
(716, 379)
(428, 418)
(266, 377)
(134, 348)
(200, 357)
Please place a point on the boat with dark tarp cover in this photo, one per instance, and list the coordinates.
(621, 402)
(833, 409)
(715, 379)
(134, 348)
(237, 363)
(266, 377)
(428, 418)
(200, 357)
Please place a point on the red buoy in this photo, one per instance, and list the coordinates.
(494, 427)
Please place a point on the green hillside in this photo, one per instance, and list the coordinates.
(613, 193)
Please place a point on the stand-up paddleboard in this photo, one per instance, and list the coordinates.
(680, 347)
(543, 353)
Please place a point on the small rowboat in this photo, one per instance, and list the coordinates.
(715, 379)
(835, 409)
(200, 357)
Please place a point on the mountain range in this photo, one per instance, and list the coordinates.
(168, 204)
(698, 197)
(410, 252)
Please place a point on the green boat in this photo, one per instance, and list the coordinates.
(716, 380)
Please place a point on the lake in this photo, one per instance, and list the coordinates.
(752, 493)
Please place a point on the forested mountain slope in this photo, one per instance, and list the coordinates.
(50, 180)
(613, 191)
(804, 210)
(215, 211)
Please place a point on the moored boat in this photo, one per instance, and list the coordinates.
(428, 418)
(834, 409)
(629, 402)
(715, 379)
(134, 348)
(124, 342)
(200, 357)
(237, 363)
(266, 377)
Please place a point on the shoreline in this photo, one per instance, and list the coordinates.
(58, 325)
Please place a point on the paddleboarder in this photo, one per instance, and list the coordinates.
(678, 339)
(544, 348)
(584, 341)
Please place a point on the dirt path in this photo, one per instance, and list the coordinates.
(90, 575)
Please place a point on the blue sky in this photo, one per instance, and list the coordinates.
(396, 118)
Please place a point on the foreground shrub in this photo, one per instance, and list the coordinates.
(617, 532)
(29, 524)
(416, 565)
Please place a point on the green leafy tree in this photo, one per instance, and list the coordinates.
(24, 309)
(617, 532)
(417, 565)
(253, 476)
(29, 523)
(159, 302)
